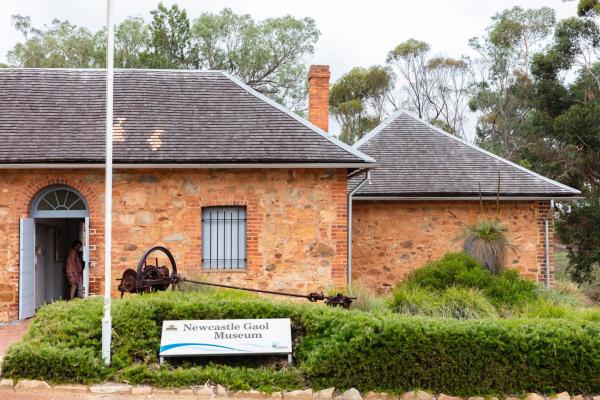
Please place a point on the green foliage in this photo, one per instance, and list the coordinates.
(504, 93)
(61, 44)
(170, 44)
(454, 302)
(268, 55)
(234, 378)
(39, 360)
(466, 303)
(458, 357)
(486, 240)
(563, 132)
(332, 347)
(588, 7)
(579, 230)
(460, 270)
(358, 99)
(435, 88)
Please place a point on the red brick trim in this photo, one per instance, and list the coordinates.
(544, 212)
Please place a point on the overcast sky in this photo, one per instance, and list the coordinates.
(353, 32)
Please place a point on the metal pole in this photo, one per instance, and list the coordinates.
(356, 189)
(547, 228)
(106, 319)
(547, 254)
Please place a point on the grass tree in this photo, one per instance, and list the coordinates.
(486, 239)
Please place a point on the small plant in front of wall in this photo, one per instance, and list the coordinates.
(486, 239)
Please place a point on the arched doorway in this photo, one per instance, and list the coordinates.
(59, 215)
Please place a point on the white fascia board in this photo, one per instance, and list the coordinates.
(396, 114)
(298, 118)
(187, 166)
(466, 198)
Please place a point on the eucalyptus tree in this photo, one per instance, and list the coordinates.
(268, 55)
(502, 97)
(436, 88)
(358, 100)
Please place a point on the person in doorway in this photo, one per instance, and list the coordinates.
(74, 269)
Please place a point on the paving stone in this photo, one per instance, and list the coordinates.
(71, 388)
(163, 391)
(476, 398)
(205, 391)
(447, 397)
(250, 394)
(111, 388)
(26, 384)
(7, 384)
(221, 391)
(561, 396)
(299, 395)
(379, 396)
(578, 397)
(350, 394)
(139, 390)
(416, 395)
(185, 392)
(534, 396)
(276, 395)
(324, 393)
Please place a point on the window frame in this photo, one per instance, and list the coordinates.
(234, 228)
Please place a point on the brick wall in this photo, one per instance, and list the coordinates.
(296, 223)
(391, 239)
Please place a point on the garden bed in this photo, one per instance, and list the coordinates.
(369, 351)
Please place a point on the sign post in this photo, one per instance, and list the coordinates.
(226, 337)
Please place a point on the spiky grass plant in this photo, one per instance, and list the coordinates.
(486, 240)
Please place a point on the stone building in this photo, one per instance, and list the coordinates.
(239, 189)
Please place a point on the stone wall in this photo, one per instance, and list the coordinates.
(391, 238)
(296, 231)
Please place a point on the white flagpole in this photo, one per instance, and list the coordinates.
(106, 319)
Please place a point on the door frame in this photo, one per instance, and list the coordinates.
(27, 260)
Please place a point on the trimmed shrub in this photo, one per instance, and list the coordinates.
(235, 378)
(449, 356)
(332, 347)
(35, 360)
(458, 269)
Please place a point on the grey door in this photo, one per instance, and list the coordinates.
(26, 268)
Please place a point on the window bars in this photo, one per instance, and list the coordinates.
(224, 238)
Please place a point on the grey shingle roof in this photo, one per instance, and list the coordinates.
(161, 116)
(415, 159)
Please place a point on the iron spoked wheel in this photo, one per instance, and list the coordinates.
(128, 282)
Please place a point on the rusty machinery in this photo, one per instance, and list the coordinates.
(153, 278)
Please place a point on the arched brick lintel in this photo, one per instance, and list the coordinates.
(29, 194)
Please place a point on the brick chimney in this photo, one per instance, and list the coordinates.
(318, 96)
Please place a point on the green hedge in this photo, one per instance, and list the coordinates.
(333, 347)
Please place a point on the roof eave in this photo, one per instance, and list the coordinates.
(179, 165)
(470, 197)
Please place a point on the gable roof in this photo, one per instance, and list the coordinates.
(50, 116)
(418, 160)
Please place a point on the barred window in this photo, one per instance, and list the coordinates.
(224, 238)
